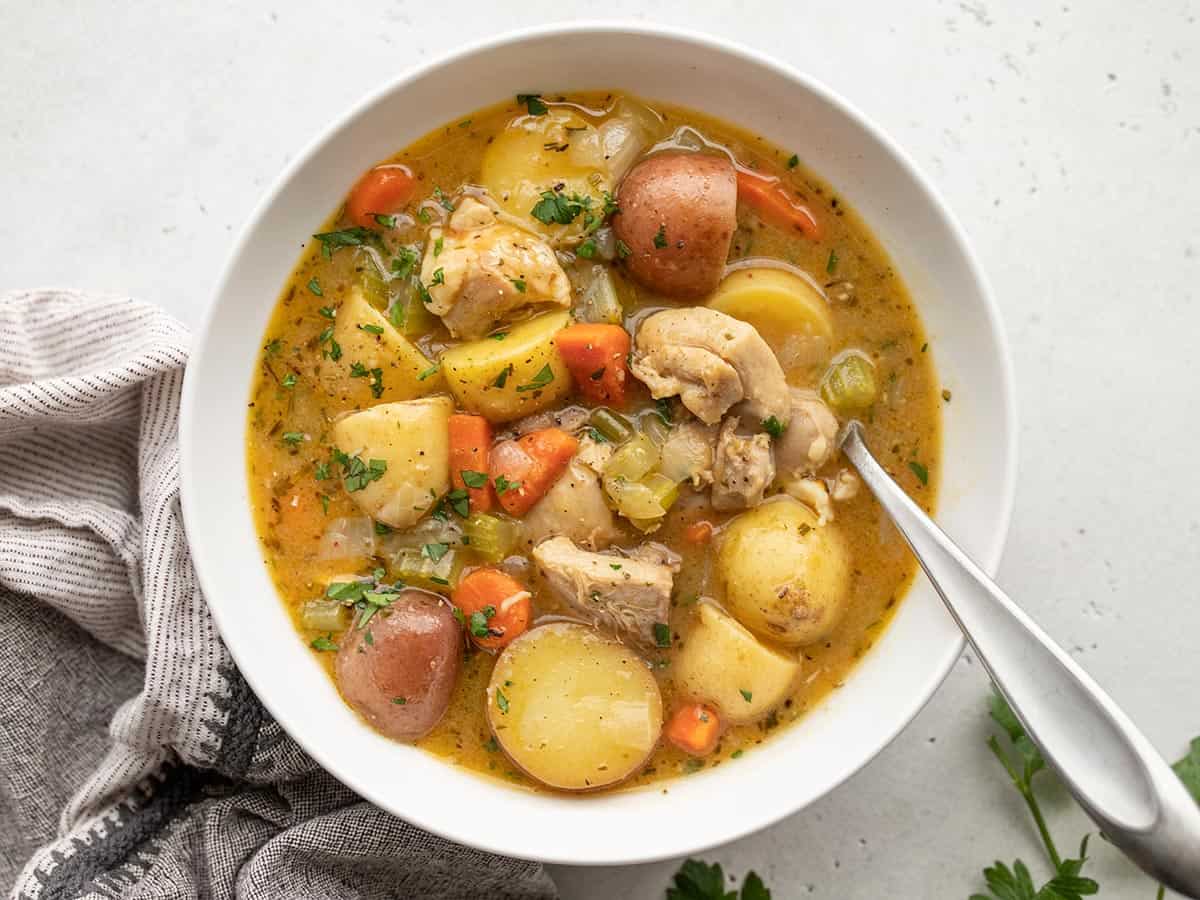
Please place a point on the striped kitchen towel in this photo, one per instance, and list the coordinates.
(134, 760)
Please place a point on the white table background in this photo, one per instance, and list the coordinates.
(134, 142)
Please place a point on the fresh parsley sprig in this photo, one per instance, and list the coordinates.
(698, 880)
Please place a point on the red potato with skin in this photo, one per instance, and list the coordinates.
(678, 212)
(399, 671)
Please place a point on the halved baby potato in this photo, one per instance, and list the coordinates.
(412, 441)
(504, 378)
(574, 709)
(722, 663)
(786, 577)
(779, 304)
(367, 338)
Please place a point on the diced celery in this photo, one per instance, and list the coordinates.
(407, 312)
(634, 459)
(613, 426)
(418, 569)
(849, 383)
(633, 499)
(599, 301)
(492, 537)
(375, 287)
(664, 490)
(324, 615)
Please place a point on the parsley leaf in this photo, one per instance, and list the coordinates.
(660, 236)
(439, 276)
(793, 161)
(920, 471)
(289, 380)
(662, 634)
(322, 473)
(437, 247)
(473, 479)
(356, 474)
(519, 284)
(831, 264)
(428, 373)
(315, 286)
(503, 485)
(746, 695)
(533, 103)
(443, 199)
(479, 621)
(405, 261)
(698, 880)
(774, 427)
(623, 250)
(384, 221)
(435, 551)
(292, 438)
(587, 249)
(1188, 769)
(501, 700)
(370, 329)
(324, 642)
(502, 379)
(332, 241)
(544, 376)
(556, 208)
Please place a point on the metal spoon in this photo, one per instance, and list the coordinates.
(1105, 762)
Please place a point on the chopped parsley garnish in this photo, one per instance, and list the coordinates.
(289, 380)
(544, 376)
(273, 346)
(662, 635)
(439, 276)
(315, 286)
(423, 292)
(697, 880)
(406, 259)
(381, 529)
(324, 498)
(519, 284)
(425, 215)
(332, 241)
(324, 642)
(474, 479)
(919, 470)
(292, 438)
(533, 103)
(438, 579)
(356, 474)
(598, 374)
(502, 379)
(437, 247)
(746, 695)
(623, 251)
(435, 551)
(503, 485)
(660, 236)
(501, 701)
(616, 567)
(443, 199)
(498, 336)
(587, 249)
(384, 221)
(662, 406)
(322, 472)
(596, 436)
(399, 701)
(479, 622)
(831, 264)
(327, 311)
(428, 373)
(736, 754)
(556, 208)
(460, 501)
(371, 329)
(774, 427)
(793, 161)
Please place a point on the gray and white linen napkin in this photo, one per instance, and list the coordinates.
(134, 760)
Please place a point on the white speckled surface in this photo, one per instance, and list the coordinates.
(1066, 136)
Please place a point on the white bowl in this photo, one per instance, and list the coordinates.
(884, 692)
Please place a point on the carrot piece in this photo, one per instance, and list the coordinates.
(380, 192)
(470, 446)
(694, 728)
(523, 470)
(596, 356)
(496, 607)
(700, 532)
(767, 196)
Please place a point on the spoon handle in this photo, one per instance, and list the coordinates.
(1100, 755)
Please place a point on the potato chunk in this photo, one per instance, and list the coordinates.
(722, 663)
(779, 304)
(411, 439)
(392, 362)
(513, 376)
(786, 577)
(574, 709)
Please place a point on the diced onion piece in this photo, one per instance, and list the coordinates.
(634, 459)
(599, 301)
(347, 538)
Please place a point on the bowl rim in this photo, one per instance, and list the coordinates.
(988, 557)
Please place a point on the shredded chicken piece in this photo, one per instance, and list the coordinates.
(594, 454)
(624, 594)
(844, 486)
(813, 493)
(811, 435)
(487, 270)
(573, 507)
(712, 361)
(743, 468)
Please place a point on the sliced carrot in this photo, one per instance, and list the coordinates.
(470, 446)
(694, 728)
(523, 470)
(767, 196)
(597, 357)
(700, 532)
(496, 607)
(380, 192)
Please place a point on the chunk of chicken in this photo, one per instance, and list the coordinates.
(810, 438)
(743, 468)
(687, 453)
(712, 361)
(574, 507)
(819, 494)
(844, 486)
(627, 596)
(594, 454)
(488, 270)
